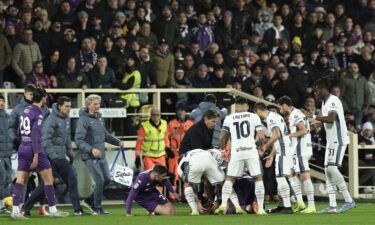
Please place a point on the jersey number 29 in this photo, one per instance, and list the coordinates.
(25, 126)
(242, 129)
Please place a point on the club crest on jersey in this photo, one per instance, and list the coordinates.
(40, 122)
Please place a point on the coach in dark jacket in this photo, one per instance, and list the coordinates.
(5, 154)
(57, 145)
(199, 136)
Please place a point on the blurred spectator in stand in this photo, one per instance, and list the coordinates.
(356, 92)
(202, 32)
(38, 78)
(52, 63)
(5, 57)
(265, 22)
(164, 65)
(226, 32)
(273, 36)
(25, 54)
(82, 25)
(25, 21)
(146, 38)
(302, 76)
(86, 58)
(166, 27)
(146, 68)
(366, 157)
(65, 14)
(69, 46)
(347, 57)
(101, 76)
(132, 79)
(41, 37)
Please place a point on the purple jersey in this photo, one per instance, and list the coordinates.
(30, 132)
(144, 192)
(30, 129)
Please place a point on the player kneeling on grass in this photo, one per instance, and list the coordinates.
(31, 156)
(192, 167)
(242, 127)
(144, 192)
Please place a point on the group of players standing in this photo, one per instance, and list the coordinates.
(291, 149)
(290, 145)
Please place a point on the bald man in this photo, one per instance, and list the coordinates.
(153, 142)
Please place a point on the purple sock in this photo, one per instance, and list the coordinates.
(17, 194)
(49, 190)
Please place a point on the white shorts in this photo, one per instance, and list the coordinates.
(301, 163)
(334, 154)
(204, 166)
(237, 168)
(283, 165)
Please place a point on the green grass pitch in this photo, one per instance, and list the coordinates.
(362, 215)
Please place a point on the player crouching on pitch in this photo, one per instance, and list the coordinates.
(144, 192)
(191, 170)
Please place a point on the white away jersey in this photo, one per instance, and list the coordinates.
(283, 144)
(336, 131)
(301, 145)
(242, 127)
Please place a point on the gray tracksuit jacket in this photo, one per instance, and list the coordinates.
(5, 142)
(56, 140)
(91, 133)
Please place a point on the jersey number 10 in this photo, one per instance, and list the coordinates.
(242, 129)
(25, 126)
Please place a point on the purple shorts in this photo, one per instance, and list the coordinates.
(151, 200)
(26, 158)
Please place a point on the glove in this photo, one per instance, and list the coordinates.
(71, 159)
(16, 144)
(170, 153)
(137, 162)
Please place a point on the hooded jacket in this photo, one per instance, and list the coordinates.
(14, 117)
(91, 133)
(56, 140)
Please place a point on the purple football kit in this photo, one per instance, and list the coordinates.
(144, 192)
(30, 132)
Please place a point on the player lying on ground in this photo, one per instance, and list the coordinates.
(144, 192)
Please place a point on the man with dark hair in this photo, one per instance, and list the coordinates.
(14, 116)
(281, 148)
(145, 193)
(301, 143)
(242, 128)
(25, 54)
(5, 154)
(31, 156)
(209, 103)
(199, 136)
(332, 115)
(57, 143)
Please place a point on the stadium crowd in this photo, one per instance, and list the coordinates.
(265, 48)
